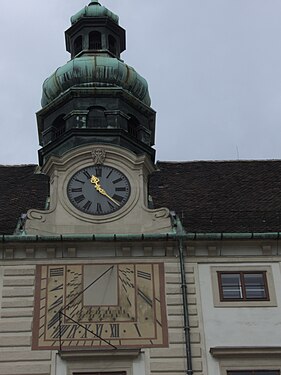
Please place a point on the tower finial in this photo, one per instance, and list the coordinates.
(94, 2)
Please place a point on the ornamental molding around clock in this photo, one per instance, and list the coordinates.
(100, 306)
(101, 163)
(112, 191)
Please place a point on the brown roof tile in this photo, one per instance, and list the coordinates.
(208, 196)
(20, 189)
(221, 196)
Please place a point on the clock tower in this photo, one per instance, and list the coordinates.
(97, 129)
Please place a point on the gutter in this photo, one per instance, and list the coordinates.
(170, 236)
(180, 234)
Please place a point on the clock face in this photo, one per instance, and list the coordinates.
(100, 306)
(98, 190)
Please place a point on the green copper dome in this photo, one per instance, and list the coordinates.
(90, 70)
(94, 9)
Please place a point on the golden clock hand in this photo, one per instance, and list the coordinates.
(95, 181)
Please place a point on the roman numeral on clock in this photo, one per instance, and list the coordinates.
(118, 198)
(99, 209)
(120, 189)
(87, 174)
(79, 199)
(98, 172)
(110, 205)
(109, 173)
(76, 190)
(77, 180)
(116, 181)
(87, 205)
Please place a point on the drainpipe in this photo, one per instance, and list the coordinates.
(180, 235)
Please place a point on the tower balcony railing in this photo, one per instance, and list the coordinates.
(95, 45)
(58, 132)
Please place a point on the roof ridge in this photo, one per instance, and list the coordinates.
(218, 161)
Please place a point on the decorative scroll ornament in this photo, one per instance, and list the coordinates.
(98, 155)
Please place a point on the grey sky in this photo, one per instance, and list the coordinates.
(213, 68)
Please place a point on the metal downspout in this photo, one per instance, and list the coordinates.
(180, 236)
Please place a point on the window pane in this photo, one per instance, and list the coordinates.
(254, 286)
(231, 286)
(258, 372)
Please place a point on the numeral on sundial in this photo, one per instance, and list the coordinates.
(114, 330)
(145, 297)
(59, 287)
(56, 303)
(66, 317)
(144, 275)
(56, 271)
(55, 319)
(73, 329)
(99, 329)
(137, 329)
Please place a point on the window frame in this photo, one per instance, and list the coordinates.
(262, 358)
(267, 269)
(243, 285)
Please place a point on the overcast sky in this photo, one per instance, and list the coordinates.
(213, 68)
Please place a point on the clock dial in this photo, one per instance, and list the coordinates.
(100, 305)
(98, 190)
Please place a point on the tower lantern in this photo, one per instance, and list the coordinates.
(95, 97)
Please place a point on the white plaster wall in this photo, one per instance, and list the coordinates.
(1, 286)
(138, 365)
(240, 326)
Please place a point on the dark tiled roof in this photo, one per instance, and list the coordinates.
(20, 189)
(221, 196)
(209, 196)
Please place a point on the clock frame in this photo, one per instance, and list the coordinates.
(100, 306)
(98, 190)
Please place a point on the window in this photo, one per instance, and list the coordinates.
(133, 126)
(248, 360)
(112, 44)
(59, 126)
(96, 118)
(243, 286)
(95, 40)
(77, 45)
